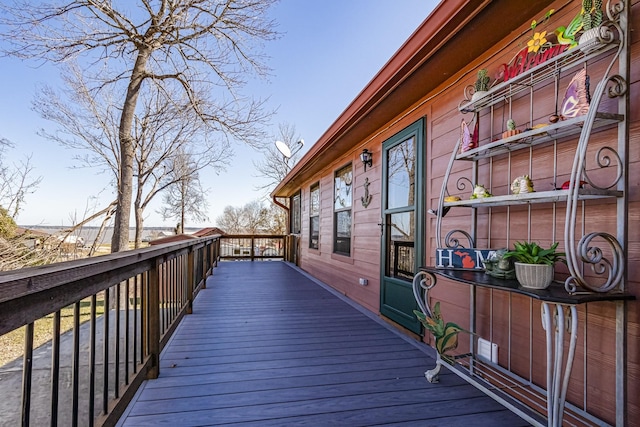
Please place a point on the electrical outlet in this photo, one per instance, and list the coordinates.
(487, 350)
(363, 281)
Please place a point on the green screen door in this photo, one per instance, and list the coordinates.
(401, 220)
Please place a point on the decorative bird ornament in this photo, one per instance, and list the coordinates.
(567, 35)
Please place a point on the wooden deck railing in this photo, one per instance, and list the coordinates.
(122, 309)
(247, 246)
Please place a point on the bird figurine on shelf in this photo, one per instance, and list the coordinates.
(567, 35)
(565, 185)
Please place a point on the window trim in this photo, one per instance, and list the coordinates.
(337, 211)
(292, 214)
(312, 215)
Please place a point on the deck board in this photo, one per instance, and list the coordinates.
(268, 346)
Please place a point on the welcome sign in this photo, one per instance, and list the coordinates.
(462, 258)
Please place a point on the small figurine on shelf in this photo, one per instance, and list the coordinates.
(497, 266)
(480, 192)
(522, 185)
(482, 84)
(511, 129)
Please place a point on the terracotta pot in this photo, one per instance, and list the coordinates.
(534, 276)
(508, 133)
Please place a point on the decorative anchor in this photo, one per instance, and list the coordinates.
(366, 199)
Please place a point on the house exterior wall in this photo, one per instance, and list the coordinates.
(511, 321)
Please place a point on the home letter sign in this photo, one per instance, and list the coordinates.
(462, 258)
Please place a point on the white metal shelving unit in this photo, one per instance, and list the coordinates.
(599, 252)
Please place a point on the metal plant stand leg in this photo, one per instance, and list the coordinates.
(423, 282)
(554, 322)
(432, 375)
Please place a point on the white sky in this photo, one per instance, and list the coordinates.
(328, 52)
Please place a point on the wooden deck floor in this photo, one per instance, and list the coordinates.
(268, 346)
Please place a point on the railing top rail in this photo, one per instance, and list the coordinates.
(18, 283)
(256, 236)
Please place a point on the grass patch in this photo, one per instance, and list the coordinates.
(12, 344)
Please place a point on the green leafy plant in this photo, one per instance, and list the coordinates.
(591, 14)
(482, 82)
(445, 334)
(532, 253)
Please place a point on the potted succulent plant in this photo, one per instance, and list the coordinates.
(534, 264)
(511, 129)
(591, 22)
(482, 84)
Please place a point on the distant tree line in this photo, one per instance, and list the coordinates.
(253, 218)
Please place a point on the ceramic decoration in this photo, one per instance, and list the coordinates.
(576, 98)
(522, 185)
(480, 192)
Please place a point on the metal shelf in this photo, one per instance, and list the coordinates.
(535, 197)
(556, 131)
(538, 74)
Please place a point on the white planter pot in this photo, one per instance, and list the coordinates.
(592, 39)
(478, 95)
(534, 276)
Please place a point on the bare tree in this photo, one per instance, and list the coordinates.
(88, 125)
(252, 218)
(204, 48)
(18, 248)
(276, 219)
(172, 149)
(16, 181)
(231, 220)
(185, 197)
(274, 166)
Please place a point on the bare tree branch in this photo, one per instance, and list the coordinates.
(274, 167)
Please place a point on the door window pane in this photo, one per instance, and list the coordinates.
(400, 245)
(401, 174)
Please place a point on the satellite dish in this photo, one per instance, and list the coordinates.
(283, 149)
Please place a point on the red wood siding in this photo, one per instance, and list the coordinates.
(440, 107)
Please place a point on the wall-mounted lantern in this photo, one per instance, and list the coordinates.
(367, 158)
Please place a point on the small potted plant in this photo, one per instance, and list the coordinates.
(511, 129)
(591, 22)
(533, 264)
(482, 84)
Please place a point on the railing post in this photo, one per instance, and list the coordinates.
(153, 325)
(285, 247)
(253, 245)
(190, 280)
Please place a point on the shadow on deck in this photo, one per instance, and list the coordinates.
(267, 345)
